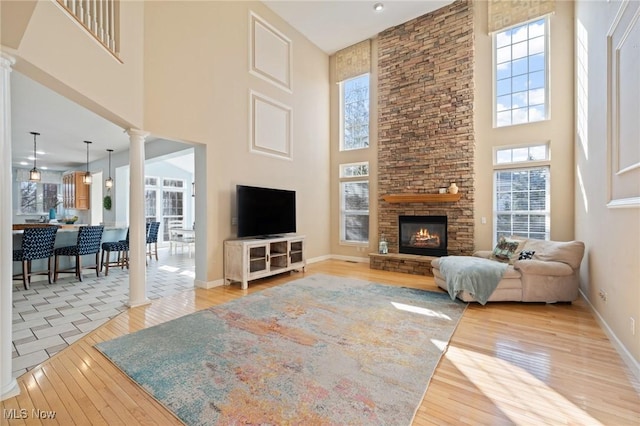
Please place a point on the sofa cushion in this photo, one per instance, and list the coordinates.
(511, 273)
(507, 249)
(569, 252)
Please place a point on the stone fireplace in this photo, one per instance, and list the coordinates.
(423, 235)
(426, 137)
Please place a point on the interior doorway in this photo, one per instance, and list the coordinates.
(96, 217)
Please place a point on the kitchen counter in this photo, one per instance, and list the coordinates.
(67, 235)
(19, 227)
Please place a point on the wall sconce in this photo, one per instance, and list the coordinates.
(34, 174)
(87, 176)
(193, 189)
(109, 181)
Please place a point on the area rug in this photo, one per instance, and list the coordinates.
(320, 350)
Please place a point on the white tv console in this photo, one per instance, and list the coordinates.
(246, 260)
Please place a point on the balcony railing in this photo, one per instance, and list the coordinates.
(99, 17)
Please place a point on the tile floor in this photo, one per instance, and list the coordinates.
(48, 318)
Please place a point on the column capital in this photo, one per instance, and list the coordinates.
(137, 133)
(6, 60)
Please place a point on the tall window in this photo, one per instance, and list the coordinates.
(354, 203)
(521, 185)
(521, 73)
(355, 113)
(170, 193)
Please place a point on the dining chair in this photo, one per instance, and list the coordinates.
(178, 237)
(89, 238)
(121, 247)
(37, 243)
(152, 239)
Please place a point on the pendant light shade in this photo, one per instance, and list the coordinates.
(87, 176)
(108, 183)
(34, 174)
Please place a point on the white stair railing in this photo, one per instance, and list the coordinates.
(98, 17)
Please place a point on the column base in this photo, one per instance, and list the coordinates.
(12, 389)
(137, 303)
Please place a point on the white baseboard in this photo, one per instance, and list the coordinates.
(338, 257)
(319, 259)
(626, 356)
(350, 258)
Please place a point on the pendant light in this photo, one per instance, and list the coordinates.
(34, 174)
(87, 176)
(108, 183)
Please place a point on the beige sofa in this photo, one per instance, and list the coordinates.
(552, 275)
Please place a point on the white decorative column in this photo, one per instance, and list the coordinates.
(137, 227)
(8, 385)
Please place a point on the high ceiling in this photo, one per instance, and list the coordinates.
(333, 25)
(64, 125)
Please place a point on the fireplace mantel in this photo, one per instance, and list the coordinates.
(421, 198)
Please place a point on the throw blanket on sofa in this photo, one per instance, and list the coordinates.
(476, 275)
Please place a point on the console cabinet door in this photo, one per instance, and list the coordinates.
(258, 256)
(296, 254)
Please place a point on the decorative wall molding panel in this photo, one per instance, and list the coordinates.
(624, 91)
(270, 127)
(269, 53)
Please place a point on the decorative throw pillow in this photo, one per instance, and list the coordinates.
(505, 249)
(526, 254)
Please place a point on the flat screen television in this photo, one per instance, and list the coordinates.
(264, 212)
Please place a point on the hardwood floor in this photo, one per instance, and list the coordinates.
(507, 363)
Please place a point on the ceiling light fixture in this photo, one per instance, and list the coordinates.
(87, 176)
(109, 181)
(378, 7)
(34, 174)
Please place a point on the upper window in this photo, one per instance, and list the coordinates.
(521, 154)
(354, 169)
(355, 113)
(521, 73)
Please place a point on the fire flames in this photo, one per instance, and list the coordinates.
(423, 238)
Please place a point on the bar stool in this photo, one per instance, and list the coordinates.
(122, 249)
(152, 239)
(89, 238)
(37, 243)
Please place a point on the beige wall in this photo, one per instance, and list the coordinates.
(611, 235)
(191, 83)
(197, 85)
(558, 131)
(55, 51)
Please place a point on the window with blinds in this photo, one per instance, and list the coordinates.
(354, 203)
(521, 192)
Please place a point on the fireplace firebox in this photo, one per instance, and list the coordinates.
(423, 235)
